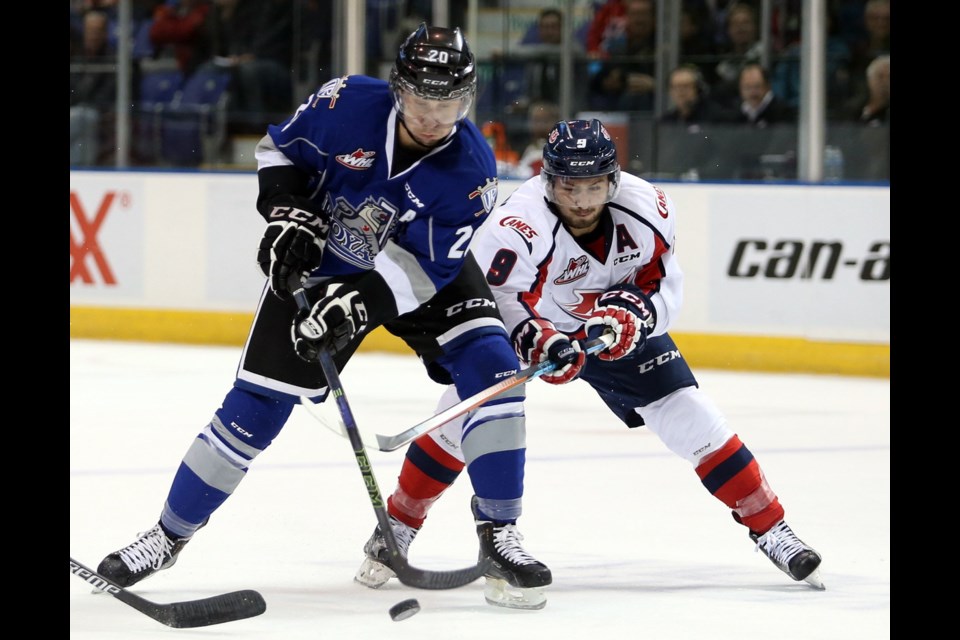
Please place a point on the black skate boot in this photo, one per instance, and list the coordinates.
(516, 579)
(375, 570)
(791, 555)
(153, 551)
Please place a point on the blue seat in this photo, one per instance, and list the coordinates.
(157, 91)
(194, 124)
(159, 87)
(142, 46)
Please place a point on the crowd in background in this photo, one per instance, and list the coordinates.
(726, 75)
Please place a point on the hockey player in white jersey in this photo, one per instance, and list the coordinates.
(581, 249)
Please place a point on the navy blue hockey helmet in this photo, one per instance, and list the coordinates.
(580, 149)
(435, 63)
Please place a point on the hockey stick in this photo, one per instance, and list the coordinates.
(406, 573)
(392, 443)
(226, 607)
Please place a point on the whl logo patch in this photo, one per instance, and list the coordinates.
(576, 269)
(358, 160)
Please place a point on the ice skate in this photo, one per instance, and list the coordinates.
(790, 554)
(152, 551)
(375, 570)
(516, 579)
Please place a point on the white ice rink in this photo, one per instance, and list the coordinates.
(637, 546)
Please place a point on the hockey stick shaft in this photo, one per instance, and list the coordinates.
(392, 443)
(226, 607)
(406, 573)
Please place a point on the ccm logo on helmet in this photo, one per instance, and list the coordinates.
(439, 83)
(582, 163)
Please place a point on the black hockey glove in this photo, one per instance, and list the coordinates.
(629, 314)
(330, 323)
(292, 244)
(538, 340)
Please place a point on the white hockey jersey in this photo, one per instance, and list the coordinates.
(536, 268)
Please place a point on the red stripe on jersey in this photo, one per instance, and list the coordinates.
(531, 298)
(653, 272)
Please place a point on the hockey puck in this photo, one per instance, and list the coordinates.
(404, 610)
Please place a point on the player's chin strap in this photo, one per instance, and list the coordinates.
(407, 574)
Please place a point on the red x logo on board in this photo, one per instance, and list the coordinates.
(88, 246)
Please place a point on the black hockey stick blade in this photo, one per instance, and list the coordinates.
(394, 442)
(226, 607)
(407, 574)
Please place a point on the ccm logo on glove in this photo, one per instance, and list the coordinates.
(331, 323)
(627, 315)
(538, 340)
(291, 247)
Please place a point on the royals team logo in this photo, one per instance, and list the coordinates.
(331, 90)
(357, 234)
(487, 194)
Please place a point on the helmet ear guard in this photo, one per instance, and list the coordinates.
(435, 63)
(580, 149)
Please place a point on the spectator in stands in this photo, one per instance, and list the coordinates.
(626, 81)
(93, 91)
(607, 18)
(253, 40)
(541, 116)
(690, 104)
(759, 106)
(548, 29)
(179, 31)
(718, 11)
(537, 59)
(874, 110)
(785, 78)
(743, 47)
(696, 35)
(874, 42)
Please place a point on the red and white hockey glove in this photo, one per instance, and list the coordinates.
(629, 314)
(537, 340)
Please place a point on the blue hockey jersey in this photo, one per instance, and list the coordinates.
(414, 226)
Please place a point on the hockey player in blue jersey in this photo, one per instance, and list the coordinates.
(372, 192)
(584, 248)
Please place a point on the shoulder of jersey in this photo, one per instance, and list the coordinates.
(643, 198)
(527, 204)
(632, 186)
(357, 91)
(477, 148)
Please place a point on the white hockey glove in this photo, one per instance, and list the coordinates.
(629, 314)
(538, 340)
(331, 323)
(292, 244)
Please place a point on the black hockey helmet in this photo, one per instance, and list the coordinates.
(435, 63)
(580, 149)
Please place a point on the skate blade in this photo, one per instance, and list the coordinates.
(500, 593)
(373, 574)
(814, 580)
